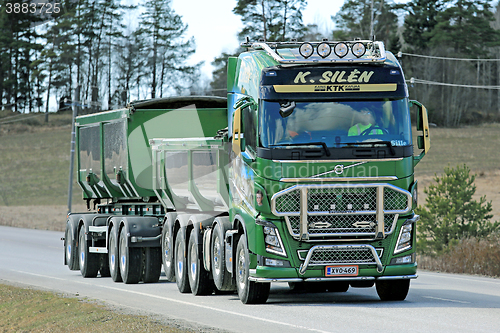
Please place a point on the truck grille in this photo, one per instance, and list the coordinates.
(341, 210)
(324, 255)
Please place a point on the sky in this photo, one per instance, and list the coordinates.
(214, 26)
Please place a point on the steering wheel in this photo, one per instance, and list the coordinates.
(374, 127)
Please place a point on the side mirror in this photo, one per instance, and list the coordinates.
(424, 140)
(238, 140)
(244, 102)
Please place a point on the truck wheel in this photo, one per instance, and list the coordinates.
(199, 278)
(222, 278)
(70, 249)
(152, 264)
(89, 262)
(113, 256)
(181, 272)
(249, 292)
(167, 253)
(393, 290)
(130, 260)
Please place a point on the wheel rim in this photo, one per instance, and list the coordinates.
(82, 249)
(123, 257)
(166, 246)
(217, 256)
(193, 260)
(69, 240)
(112, 254)
(241, 269)
(179, 255)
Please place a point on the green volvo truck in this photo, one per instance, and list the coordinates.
(304, 175)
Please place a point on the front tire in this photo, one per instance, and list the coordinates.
(249, 292)
(393, 290)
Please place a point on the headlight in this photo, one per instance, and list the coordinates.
(272, 239)
(404, 239)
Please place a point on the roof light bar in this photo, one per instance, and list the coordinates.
(364, 51)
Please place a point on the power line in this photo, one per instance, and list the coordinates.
(16, 120)
(434, 83)
(445, 58)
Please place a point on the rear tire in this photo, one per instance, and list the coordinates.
(152, 264)
(89, 262)
(393, 290)
(113, 256)
(199, 278)
(167, 256)
(130, 260)
(249, 292)
(181, 270)
(70, 249)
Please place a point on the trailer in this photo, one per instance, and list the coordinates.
(303, 175)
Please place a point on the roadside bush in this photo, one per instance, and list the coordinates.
(451, 214)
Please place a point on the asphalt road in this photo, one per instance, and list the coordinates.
(436, 303)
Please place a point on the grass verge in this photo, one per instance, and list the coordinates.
(28, 310)
(468, 256)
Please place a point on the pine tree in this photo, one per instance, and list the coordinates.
(451, 213)
(167, 48)
(271, 20)
(366, 19)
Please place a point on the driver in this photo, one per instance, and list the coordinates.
(366, 120)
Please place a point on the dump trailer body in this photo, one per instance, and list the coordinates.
(115, 159)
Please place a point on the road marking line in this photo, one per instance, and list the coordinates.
(182, 302)
(446, 300)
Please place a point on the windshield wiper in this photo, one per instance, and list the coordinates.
(386, 143)
(322, 144)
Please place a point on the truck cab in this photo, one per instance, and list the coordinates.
(323, 164)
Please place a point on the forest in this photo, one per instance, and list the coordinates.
(85, 53)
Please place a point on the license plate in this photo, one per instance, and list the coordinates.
(341, 271)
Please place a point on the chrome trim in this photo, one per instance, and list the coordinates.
(339, 179)
(326, 279)
(398, 277)
(304, 227)
(301, 211)
(305, 264)
(380, 227)
(261, 280)
(396, 159)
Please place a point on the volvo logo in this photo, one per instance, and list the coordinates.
(338, 169)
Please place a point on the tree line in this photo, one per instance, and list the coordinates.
(92, 54)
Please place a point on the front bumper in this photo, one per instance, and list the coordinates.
(273, 274)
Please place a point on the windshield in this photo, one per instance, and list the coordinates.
(337, 124)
